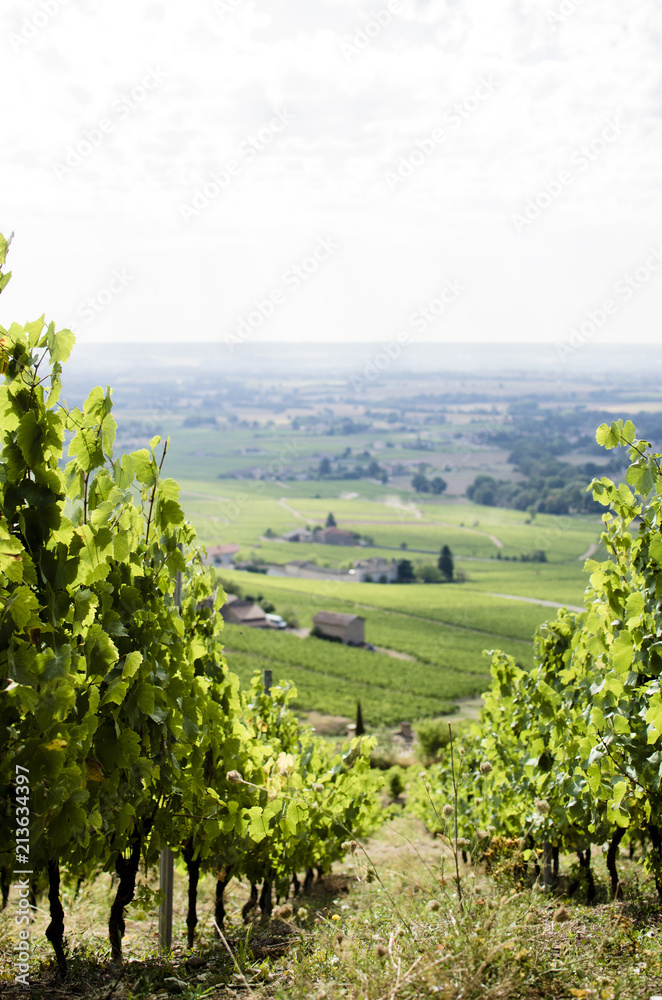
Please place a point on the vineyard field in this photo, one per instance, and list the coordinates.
(563, 583)
(449, 661)
(386, 686)
(328, 696)
(447, 604)
(241, 512)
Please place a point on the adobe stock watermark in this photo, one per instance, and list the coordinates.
(22, 870)
(293, 278)
(546, 537)
(223, 7)
(32, 26)
(565, 10)
(581, 159)
(95, 304)
(220, 179)
(371, 28)
(419, 320)
(429, 144)
(92, 138)
(623, 290)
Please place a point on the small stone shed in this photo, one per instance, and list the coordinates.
(347, 628)
(222, 555)
(238, 612)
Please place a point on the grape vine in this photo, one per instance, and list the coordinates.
(116, 698)
(573, 744)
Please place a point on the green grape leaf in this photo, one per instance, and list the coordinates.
(61, 346)
(143, 696)
(609, 435)
(642, 477)
(257, 827)
(655, 547)
(30, 439)
(23, 607)
(131, 665)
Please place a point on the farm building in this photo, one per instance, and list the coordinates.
(222, 555)
(311, 571)
(298, 535)
(376, 569)
(238, 612)
(334, 536)
(347, 628)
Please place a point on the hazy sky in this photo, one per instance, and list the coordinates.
(457, 170)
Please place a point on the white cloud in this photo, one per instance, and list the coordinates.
(227, 76)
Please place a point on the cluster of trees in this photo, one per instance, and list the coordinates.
(536, 556)
(346, 425)
(340, 426)
(443, 572)
(550, 487)
(204, 420)
(371, 470)
(421, 484)
(536, 439)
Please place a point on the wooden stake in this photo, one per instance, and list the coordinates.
(167, 866)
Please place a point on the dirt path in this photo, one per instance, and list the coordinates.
(295, 513)
(436, 621)
(411, 508)
(443, 624)
(467, 708)
(367, 520)
(442, 524)
(531, 600)
(395, 653)
(474, 531)
(488, 593)
(589, 552)
(376, 522)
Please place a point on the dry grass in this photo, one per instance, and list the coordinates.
(386, 926)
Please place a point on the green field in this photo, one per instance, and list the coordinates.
(241, 512)
(324, 693)
(331, 678)
(446, 628)
(447, 641)
(563, 583)
(230, 491)
(443, 604)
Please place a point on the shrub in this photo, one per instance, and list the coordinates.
(385, 754)
(288, 614)
(428, 574)
(433, 737)
(229, 586)
(395, 781)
